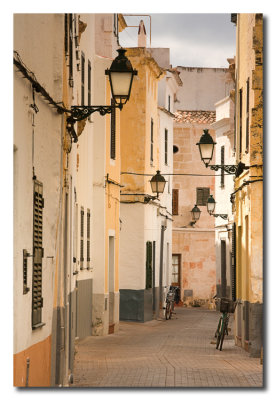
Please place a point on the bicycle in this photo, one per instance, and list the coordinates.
(171, 298)
(227, 306)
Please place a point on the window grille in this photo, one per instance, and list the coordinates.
(37, 300)
(202, 195)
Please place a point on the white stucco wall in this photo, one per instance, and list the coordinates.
(44, 58)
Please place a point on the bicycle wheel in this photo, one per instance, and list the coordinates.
(223, 334)
(218, 327)
(170, 311)
(167, 311)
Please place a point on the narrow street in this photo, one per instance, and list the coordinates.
(173, 353)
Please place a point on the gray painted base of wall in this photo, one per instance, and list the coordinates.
(139, 305)
(255, 329)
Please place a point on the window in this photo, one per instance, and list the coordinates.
(88, 239)
(166, 147)
(202, 195)
(222, 152)
(169, 103)
(70, 38)
(175, 149)
(148, 265)
(37, 300)
(89, 85)
(151, 141)
(113, 131)
(176, 269)
(240, 144)
(81, 237)
(82, 77)
(247, 114)
(233, 263)
(175, 193)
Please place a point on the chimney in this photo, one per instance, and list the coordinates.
(142, 36)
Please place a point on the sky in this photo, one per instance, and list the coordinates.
(195, 40)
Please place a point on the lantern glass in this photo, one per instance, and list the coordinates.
(121, 85)
(195, 213)
(211, 204)
(206, 152)
(206, 147)
(157, 183)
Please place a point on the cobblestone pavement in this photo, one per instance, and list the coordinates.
(160, 353)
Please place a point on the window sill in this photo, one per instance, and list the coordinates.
(40, 325)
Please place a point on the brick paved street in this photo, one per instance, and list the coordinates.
(174, 353)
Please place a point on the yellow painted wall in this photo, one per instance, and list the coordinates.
(249, 200)
(136, 123)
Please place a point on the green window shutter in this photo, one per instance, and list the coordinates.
(233, 264)
(148, 265)
(37, 300)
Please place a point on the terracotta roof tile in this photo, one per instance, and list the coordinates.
(198, 117)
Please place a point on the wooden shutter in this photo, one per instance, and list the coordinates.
(166, 146)
(37, 300)
(88, 239)
(148, 265)
(151, 140)
(82, 77)
(240, 144)
(81, 237)
(113, 131)
(175, 193)
(202, 195)
(233, 264)
(247, 114)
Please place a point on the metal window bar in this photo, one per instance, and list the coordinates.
(233, 264)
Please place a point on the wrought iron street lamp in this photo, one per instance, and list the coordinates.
(211, 204)
(120, 76)
(206, 149)
(157, 183)
(195, 213)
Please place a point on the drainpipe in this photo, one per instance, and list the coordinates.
(163, 228)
